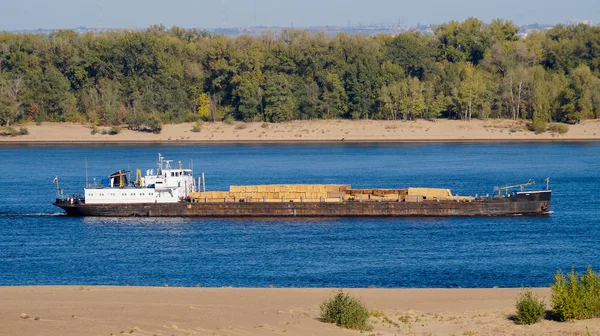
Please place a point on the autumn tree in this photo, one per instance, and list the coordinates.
(204, 106)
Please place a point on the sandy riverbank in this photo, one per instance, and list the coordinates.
(311, 131)
(232, 311)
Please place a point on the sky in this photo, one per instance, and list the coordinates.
(66, 14)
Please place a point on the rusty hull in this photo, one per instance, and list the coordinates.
(527, 204)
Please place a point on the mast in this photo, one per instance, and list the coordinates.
(58, 191)
(160, 164)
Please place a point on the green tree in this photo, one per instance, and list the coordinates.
(413, 103)
(414, 53)
(511, 62)
(279, 101)
(545, 91)
(462, 41)
(435, 102)
(583, 81)
(130, 75)
(10, 100)
(333, 101)
(391, 99)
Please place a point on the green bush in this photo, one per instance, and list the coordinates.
(575, 296)
(197, 127)
(11, 131)
(8, 131)
(346, 311)
(530, 308)
(537, 126)
(114, 130)
(559, 128)
(153, 123)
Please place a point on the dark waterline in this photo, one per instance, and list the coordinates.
(38, 246)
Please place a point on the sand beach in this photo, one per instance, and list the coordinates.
(82, 310)
(330, 131)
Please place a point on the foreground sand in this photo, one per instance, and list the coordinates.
(231, 311)
(312, 131)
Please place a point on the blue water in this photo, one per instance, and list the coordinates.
(38, 246)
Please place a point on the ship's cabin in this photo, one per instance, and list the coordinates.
(165, 185)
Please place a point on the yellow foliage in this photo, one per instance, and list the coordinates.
(469, 68)
(204, 106)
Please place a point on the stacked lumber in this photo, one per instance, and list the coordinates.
(377, 194)
(277, 193)
(431, 193)
(323, 193)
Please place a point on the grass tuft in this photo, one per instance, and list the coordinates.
(346, 311)
(559, 128)
(197, 127)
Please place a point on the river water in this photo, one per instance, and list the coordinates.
(39, 246)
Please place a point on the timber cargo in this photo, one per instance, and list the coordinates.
(173, 192)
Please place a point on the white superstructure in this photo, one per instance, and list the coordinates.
(166, 185)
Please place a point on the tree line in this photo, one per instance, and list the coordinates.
(464, 70)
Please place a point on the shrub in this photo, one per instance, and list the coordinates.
(530, 308)
(94, 130)
(8, 131)
(265, 125)
(23, 131)
(240, 126)
(346, 311)
(576, 297)
(114, 130)
(153, 124)
(75, 118)
(559, 128)
(538, 126)
(197, 127)
(229, 121)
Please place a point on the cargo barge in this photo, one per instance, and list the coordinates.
(173, 192)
